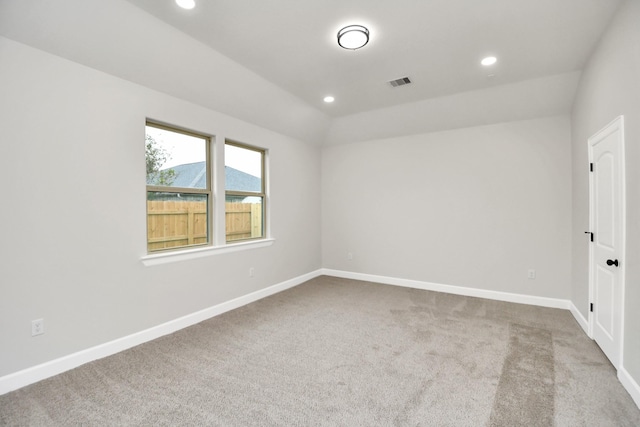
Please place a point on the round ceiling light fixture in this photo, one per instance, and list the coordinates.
(186, 4)
(353, 37)
(489, 60)
(329, 99)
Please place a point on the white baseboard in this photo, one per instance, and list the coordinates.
(630, 385)
(54, 367)
(623, 376)
(45, 370)
(584, 324)
(450, 289)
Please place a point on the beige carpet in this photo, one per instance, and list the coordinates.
(335, 352)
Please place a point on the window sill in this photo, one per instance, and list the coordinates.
(187, 254)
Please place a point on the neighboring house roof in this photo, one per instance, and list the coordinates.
(194, 175)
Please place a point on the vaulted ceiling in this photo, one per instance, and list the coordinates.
(271, 62)
(438, 44)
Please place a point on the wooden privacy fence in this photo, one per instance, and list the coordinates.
(184, 223)
(243, 220)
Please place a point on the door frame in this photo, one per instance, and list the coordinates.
(616, 125)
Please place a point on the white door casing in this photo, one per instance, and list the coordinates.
(606, 253)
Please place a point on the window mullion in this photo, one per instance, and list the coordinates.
(219, 211)
(160, 189)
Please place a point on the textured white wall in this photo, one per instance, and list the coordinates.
(610, 87)
(474, 207)
(73, 210)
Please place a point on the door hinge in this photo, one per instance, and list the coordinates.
(590, 234)
(590, 167)
(591, 307)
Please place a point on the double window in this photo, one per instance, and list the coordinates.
(179, 190)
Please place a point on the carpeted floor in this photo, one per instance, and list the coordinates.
(335, 352)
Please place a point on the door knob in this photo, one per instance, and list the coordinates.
(612, 262)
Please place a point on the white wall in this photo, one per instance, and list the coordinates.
(474, 207)
(73, 210)
(610, 87)
(471, 207)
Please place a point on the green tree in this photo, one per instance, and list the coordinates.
(156, 157)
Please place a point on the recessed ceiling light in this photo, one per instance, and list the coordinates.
(353, 37)
(489, 60)
(329, 99)
(186, 4)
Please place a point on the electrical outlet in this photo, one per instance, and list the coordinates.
(350, 256)
(37, 327)
(531, 274)
(251, 271)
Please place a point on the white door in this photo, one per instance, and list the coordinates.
(606, 289)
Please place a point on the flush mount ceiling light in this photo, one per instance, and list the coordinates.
(489, 60)
(186, 4)
(353, 37)
(329, 99)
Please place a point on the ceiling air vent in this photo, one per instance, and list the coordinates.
(400, 82)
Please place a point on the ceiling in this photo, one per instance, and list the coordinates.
(438, 44)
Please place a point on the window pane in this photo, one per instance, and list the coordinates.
(244, 217)
(175, 159)
(176, 220)
(243, 169)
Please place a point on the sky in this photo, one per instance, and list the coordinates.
(189, 149)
